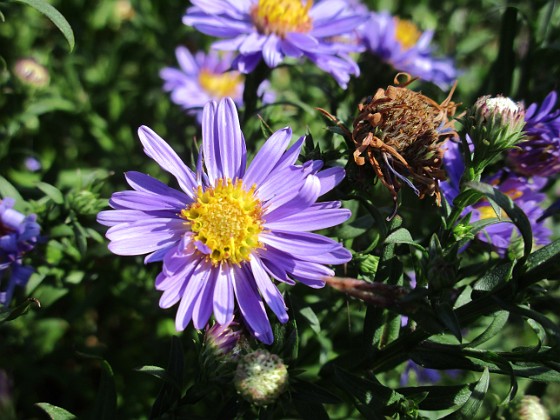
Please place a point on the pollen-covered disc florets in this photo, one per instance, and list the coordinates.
(399, 132)
(282, 16)
(226, 222)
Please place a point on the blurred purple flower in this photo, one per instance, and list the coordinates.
(423, 375)
(32, 164)
(231, 228)
(401, 44)
(272, 30)
(18, 235)
(202, 78)
(540, 153)
(523, 191)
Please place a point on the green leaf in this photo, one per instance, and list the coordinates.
(55, 16)
(106, 400)
(170, 391)
(446, 315)
(311, 318)
(56, 413)
(370, 397)
(471, 406)
(8, 190)
(496, 276)
(402, 236)
(499, 321)
(439, 397)
(22, 309)
(158, 372)
(543, 263)
(518, 218)
(52, 192)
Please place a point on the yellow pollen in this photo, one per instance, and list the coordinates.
(220, 85)
(228, 220)
(406, 32)
(282, 16)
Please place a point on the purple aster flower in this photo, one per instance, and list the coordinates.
(200, 79)
(272, 30)
(32, 164)
(231, 228)
(523, 191)
(18, 235)
(540, 153)
(400, 43)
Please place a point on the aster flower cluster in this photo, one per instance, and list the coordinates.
(18, 236)
(328, 33)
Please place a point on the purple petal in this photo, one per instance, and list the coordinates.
(186, 61)
(268, 290)
(224, 299)
(192, 290)
(330, 178)
(145, 201)
(312, 218)
(281, 184)
(289, 158)
(267, 157)
(144, 236)
(204, 303)
(302, 41)
(271, 53)
(285, 205)
(339, 26)
(210, 150)
(230, 140)
(156, 148)
(299, 244)
(145, 183)
(251, 306)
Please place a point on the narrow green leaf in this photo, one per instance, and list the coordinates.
(8, 190)
(105, 406)
(518, 218)
(55, 16)
(56, 413)
(311, 317)
(170, 391)
(371, 398)
(402, 236)
(446, 315)
(471, 406)
(493, 278)
(439, 397)
(22, 309)
(52, 192)
(499, 321)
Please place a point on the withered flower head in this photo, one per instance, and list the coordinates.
(399, 132)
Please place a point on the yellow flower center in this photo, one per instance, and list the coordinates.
(282, 16)
(228, 220)
(220, 85)
(406, 32)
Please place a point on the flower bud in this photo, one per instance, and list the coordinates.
(31, 73)
(261, 377)
(368, 264)
(529, 408)
(494, 124)
(222, 339)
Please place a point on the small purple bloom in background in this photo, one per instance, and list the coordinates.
(400, 43)
(18, 235)
(540, 154)
(523, 191)
(202, 78)
(232, 227)
(272, 30)
(32, 164)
